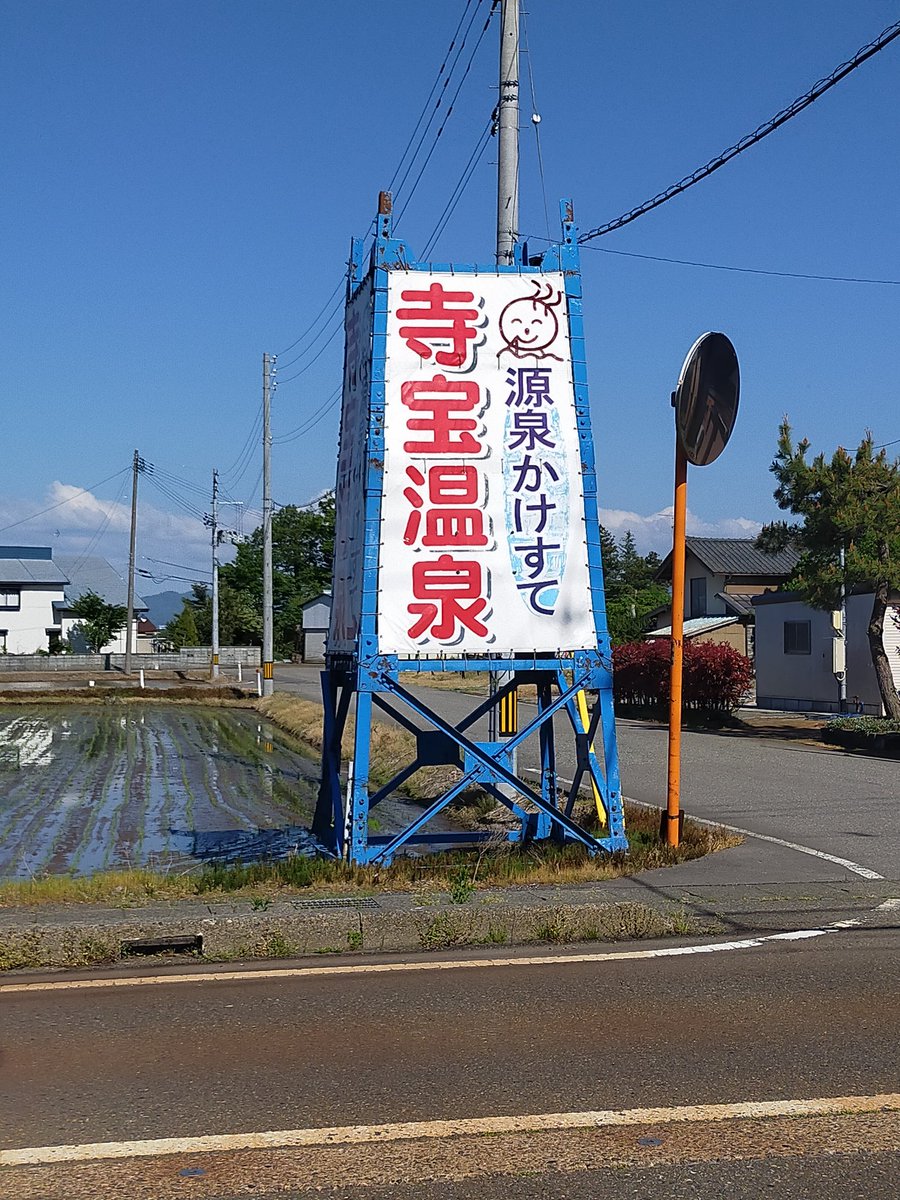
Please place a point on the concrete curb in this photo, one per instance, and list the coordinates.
(646, 906)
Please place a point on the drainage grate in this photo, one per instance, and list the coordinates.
(338, 902)
(186, 944)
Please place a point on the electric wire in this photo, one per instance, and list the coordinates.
(103, 526)
(314, 322)
(751, 139)
(448, 114)
(251, 436)
(535, 117)
(462, 183)
(335, 309)
(290, 379)
(430, 96)
(312, 420)
(68, 500)
(689, 262)
(437, 106)
(178, 566)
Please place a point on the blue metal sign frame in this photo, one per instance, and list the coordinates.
(373, 679)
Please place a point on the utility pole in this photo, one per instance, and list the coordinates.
(507, 225)
(839, 655)
(268, 685)
(508, 134)
(129, 621)
(214, 521)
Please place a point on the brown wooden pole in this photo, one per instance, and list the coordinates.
(673, 792)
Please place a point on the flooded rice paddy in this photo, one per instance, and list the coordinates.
(100, 787)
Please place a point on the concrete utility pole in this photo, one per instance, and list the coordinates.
(268, 685)
(214, 666)
(508, 133)
(129, 621)
(507, 213)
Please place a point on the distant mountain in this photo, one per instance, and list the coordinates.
(164, 606)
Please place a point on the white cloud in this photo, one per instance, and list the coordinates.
(654, 532)
(80, 522)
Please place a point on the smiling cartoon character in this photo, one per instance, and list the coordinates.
(529, 324)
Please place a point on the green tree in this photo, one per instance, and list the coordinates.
(302, 554)
(631, 590)
(240, 619)
(182, 629)
(100, 622)
(850, 503)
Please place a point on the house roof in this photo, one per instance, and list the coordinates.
(23, 571)
(694, 626)
(735, 557)
(94, 574)
(740, 603)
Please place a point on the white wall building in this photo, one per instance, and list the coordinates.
(31, 583)
(794, 654)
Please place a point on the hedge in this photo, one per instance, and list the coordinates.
(716, 678)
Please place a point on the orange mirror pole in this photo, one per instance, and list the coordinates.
(673, 792)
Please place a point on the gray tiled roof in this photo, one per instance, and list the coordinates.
(30, 570)
(94, 574)
(739, 556)
(740, 603)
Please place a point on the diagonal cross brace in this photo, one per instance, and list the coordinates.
(483, 759)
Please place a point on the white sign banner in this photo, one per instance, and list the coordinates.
(351, 474)
(483, 547)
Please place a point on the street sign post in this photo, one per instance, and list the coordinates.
(706, 405)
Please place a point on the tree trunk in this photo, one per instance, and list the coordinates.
(889, 697)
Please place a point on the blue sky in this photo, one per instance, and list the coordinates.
(183, 180)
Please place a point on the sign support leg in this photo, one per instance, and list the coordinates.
(673, 791)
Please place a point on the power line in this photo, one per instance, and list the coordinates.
(449, 112)
(437, 106)
(428, 99)
(68, 500)
(762, 131)
(290, 379)
(316, 417)
(462, 183)
(179, 566)
(313, 323)
(251, 436)
(689, 262)
(535, 117)
(284, 366)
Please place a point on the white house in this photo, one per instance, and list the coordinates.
(90, 573)
(794, 654)
(312, 633)
(31, 584)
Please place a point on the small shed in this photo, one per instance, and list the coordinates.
(313, 631)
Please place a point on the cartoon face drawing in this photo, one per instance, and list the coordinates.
(529, 324)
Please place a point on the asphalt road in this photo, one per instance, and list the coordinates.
(841, 804)
(784, 1021)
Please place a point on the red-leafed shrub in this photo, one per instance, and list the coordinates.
(715, 678)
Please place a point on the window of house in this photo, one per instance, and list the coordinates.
(797, 637)
(3, 636)
(10, 597)
(698, 597)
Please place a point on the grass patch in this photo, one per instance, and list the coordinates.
(459, 874)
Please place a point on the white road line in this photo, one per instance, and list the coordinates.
(542, 960)
(888, 906)
(866, 872)
(349, 1135)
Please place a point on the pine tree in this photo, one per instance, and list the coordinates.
(849, 503)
